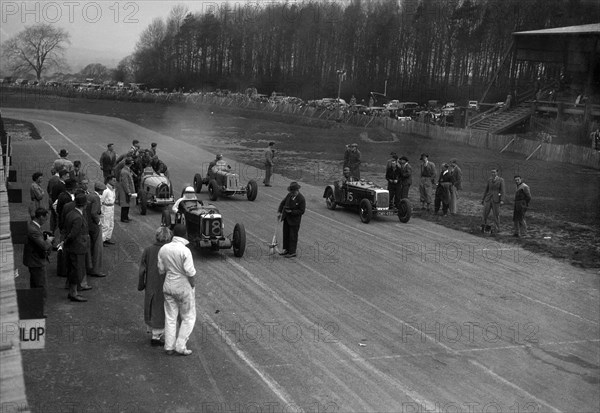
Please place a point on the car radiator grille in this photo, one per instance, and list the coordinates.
(212, 227)
(162, 191)
(383, 200)
(232, 181)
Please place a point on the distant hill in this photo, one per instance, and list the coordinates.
(78, 58)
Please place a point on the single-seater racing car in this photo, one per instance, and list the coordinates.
(221, 181)
(154, 190)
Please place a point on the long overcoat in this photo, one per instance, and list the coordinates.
(152, 283)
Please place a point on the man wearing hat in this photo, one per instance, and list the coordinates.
(64, 198)
(392, 175)
(126, 189)
(456, 186)
(62, 163)
(108, 160)
(405, 176)
(94, 215)
(76, 246)
(290, 211)
(153, 149)
(352, 160)
(428, 173)
(394, 157)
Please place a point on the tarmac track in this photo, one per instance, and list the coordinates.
(385, 317)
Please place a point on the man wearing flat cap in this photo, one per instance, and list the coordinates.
(94, 218)
(108, 160)
(428, 173)
(290, 212)
(62, 163)
(405, 176)
(76, 246)
(352, 160)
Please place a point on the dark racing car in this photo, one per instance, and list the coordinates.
(370, 199)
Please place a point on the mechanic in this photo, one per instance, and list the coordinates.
(290, 212)
(392, 175)
(188, 198)
(405, 176)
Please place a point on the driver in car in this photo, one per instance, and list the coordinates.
(187, 200)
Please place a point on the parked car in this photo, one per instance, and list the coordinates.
(205, 228)
(154, 190)
(473, 104)
(220, 181)
(370, 199)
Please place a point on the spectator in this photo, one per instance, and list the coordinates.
(108, 210)
(522, 199)
(52, 182)
(126, 189)
(153, 148)
(456, 185)
(35, 253)
(176, 263)
(352, 160)
(76, 246)
(290, 212)
(108, 160)
(269, 155)
(394, 157)
(77, 174)
(68, 195)
(442, 192)
(94, 218)
(151, 281)
(405, 177)
(428, 173)
(36, 193)
(392, 175)
(493, 198)
(62, 163)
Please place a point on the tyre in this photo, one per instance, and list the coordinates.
(143, 202)
(365, 211)
(165, 218)
(404, 211)
(213, 190)
(330, 199)
(252, 190)
(198, 183)
(239, 240)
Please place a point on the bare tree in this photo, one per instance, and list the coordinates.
(38, 48)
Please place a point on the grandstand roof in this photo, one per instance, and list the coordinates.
(593, 29)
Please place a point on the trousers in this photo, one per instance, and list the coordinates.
(180, 301)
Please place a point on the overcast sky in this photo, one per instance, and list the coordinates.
(97, 25)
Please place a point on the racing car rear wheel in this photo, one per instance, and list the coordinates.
(404, 211)
(252, 190)
(365, 211)
(213, 190)
(330, 199)
(198, 183)
(142, 202)
(239, 240)
(165, 219)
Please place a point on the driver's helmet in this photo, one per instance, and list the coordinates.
(189, 193)
(219, 157)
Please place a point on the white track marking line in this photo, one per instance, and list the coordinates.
(70, 141)
(555, 307)
(352, 354)
(432, 339)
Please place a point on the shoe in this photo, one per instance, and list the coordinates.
(77, 298)
(109, 242)
(267, 184)
(99, 275)
(292, 255)
(84, 288)
(284, 252)
(184, 352)
(169, 352)
(125, 220)
(156, 342)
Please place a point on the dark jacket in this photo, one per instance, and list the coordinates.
(93, 210)
(35, 253)
(77, 240)
(152, 282)
(292, 209)
(108, 160)
(392, 174)
(406, 174)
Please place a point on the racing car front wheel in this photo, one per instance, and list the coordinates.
(365, 211)
(198, 183)
(239, 240)
(404, 211)
(213, 190)
(252, 190)
(330, 199)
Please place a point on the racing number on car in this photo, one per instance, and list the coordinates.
(215, 227)
(350, 196)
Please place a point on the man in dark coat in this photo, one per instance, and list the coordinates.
(392, 175)
(36, 251)
(151, 281)
(405, 176)
(126, 189)
(493, 198)
(290, 211)
(108, 160)
(93, 214)
(522, 199)
(442, 192)
(76, 247)
(352, 160)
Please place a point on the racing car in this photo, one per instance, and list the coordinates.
(370, 198)
(205, 228)
(154, 190)
(222, 182)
